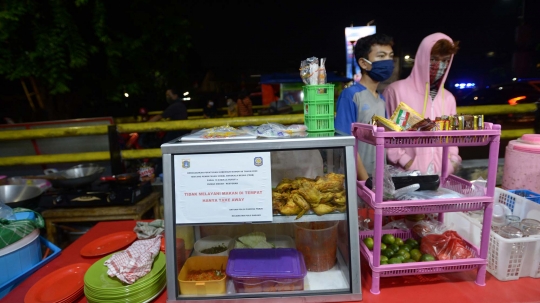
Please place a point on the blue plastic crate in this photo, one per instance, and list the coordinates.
(525, 193)
(11, 284)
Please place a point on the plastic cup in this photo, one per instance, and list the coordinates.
(513, 221)
(317, 241)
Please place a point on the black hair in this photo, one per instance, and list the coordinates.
(363, 45)
(174, 91)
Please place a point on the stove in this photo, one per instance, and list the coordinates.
(95, 195)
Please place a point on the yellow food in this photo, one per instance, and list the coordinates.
(310, 193)
(302, 204)
(323, 209)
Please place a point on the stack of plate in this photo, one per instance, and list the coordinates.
(99, 287)
(64, 285)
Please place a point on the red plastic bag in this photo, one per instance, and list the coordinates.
(447, 246)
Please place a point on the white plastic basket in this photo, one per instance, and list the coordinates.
(508, 259)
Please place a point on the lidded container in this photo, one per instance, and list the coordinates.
(266, 270)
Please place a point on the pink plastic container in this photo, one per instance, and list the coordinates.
(521, 169)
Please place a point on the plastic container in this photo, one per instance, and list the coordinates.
(186, 233)
(319, 107)
(6, 287)
(317, 241)
(203, 287)
(20, 256)
(521, 169)
(508, 259)
(321, 134)
(212, 241)
(525, 193)
(266, 270)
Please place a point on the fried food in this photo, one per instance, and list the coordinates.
(279, 199)
(309, 193)
(335, 177)
(290, 208)
(341, 209)
(323, 209)
(323, 195)
(326, 185)
(340, 198)
(301, 203)
(284, 186)
(326, 198)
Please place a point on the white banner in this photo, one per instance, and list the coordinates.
(223, 188)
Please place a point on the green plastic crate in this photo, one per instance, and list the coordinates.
(323, 92)
(318, 99)
(321, 134)
(319, 123)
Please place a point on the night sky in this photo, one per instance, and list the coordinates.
(274, 36)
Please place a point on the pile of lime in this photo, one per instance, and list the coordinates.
(395, 250)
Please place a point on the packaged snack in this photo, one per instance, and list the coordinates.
(387, 124)
(405, 117)
(479, 122)
(468, 122)
(424, 125)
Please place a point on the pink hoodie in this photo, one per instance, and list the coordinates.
(414, 91)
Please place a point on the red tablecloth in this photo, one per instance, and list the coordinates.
(453, 287)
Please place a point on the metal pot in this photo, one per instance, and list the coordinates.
(20, 195)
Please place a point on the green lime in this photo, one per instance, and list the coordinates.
(369, 243)
(384, 258)
(387, 252)
(408, 261)
(399, 242)
(388, 239)
(384, 262)
(398, 257)
(395, 261)
(427, 258)
(383, 246)
(404, 253)
(406, 247)
(393, 247)
(412, 242)
(415, 254)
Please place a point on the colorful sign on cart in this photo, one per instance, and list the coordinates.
(223, 188)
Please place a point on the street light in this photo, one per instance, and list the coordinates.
(407, 57)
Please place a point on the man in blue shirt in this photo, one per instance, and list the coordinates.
(361, 101)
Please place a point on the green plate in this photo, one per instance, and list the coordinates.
(142, 296)
(96, 277)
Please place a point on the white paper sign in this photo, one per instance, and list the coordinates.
(223, 188)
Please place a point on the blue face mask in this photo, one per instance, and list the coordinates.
(380, 70)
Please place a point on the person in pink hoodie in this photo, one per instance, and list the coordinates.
(424, 91)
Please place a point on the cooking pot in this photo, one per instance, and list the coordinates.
(26, 196)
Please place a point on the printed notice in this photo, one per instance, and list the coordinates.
(223, 188)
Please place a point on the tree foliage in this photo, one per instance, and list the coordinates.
(111, 46)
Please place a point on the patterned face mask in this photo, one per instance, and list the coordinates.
(437, 70)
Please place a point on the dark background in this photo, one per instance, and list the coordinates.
(233, 41)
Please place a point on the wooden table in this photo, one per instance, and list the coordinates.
(101, 213)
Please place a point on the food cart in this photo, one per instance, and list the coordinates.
(238, 199)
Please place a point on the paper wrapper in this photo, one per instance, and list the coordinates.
(405, 117)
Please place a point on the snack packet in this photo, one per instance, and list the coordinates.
(387, 124)
(322, 72)
(405, 117)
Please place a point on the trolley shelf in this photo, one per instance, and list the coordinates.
(431, 267)
(369, 133)
(428, 206)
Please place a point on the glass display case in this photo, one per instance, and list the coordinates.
(262, 219)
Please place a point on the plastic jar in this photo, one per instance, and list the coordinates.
(317, 241)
